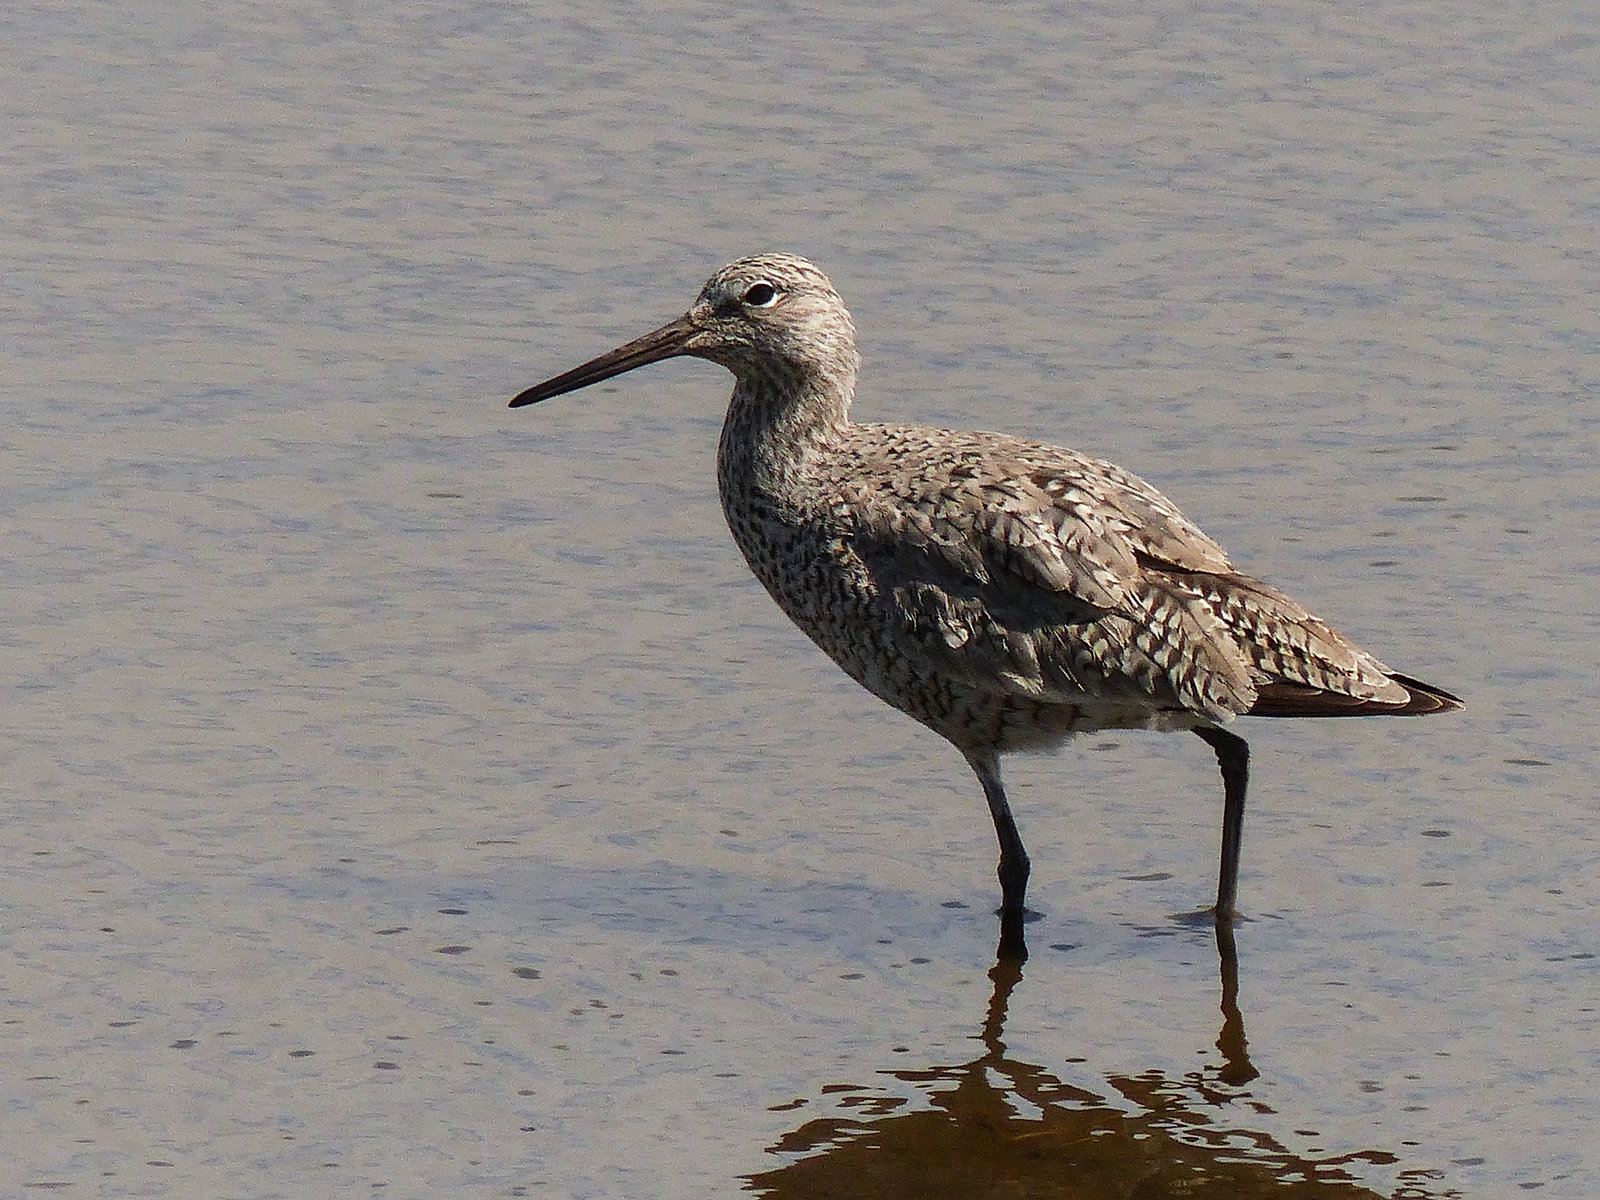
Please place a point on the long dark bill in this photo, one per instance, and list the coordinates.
(669, 341)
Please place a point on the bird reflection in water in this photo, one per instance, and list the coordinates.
(998, 1127)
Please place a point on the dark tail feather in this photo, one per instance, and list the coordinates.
(1425, 698)
(1296, 700)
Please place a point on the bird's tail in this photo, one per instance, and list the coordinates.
(1279, 699)
(1302, 667)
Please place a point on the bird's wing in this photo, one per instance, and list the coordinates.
(1303, 667)
(1032, 563)
(1009, 514)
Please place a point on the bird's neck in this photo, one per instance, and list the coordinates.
(786, 414)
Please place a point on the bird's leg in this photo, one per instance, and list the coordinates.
(1233, 756)
(1014, 864)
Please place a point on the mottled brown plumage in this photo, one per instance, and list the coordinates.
(1004, 592)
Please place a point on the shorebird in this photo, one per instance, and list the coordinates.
(1006, 593)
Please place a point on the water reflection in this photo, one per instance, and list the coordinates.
(996, 1126)
(1236, 1069)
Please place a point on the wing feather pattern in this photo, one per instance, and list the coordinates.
(1070, 580)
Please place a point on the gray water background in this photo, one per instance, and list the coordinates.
(400, 792)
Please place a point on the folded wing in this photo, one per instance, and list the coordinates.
(1059, 577)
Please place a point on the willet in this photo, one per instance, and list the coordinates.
(1006, 593)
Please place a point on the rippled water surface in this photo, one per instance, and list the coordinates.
(402, 792)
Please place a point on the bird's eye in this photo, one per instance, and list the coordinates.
(761, 295)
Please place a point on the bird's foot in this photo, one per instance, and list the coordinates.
(1209, 918)
(1013, 944)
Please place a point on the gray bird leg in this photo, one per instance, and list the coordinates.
(1014, 865)
(1233, 757)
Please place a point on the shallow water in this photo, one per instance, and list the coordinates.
(403, 792)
